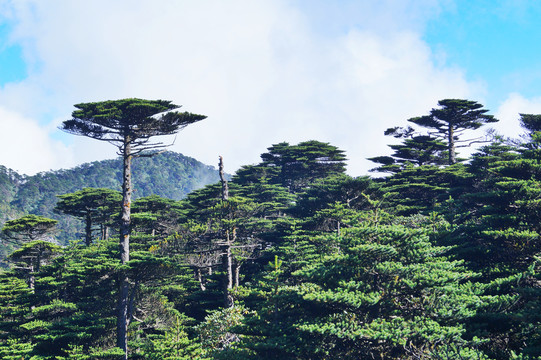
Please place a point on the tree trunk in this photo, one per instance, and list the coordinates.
(225, 189)
(124, 242)
(38, 260)
(237, 275)
(452, 155)
(31, 279)
(88, 229)
(126, 206)
(104, 232)
(200, 279)
(122, 320)
(227, 262)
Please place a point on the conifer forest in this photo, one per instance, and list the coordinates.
(436, 255)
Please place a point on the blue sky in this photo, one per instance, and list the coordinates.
(12, 65)
(493, 41)
(264, 71)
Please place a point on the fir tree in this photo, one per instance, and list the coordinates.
(28, 228)
(94, 206)
(451, 120)
(128, 124)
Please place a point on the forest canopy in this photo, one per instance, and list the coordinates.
(291, 258)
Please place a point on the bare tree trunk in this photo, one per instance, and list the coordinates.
(452, 155)
(88, 229)
(229, 264)
(38, 260)
(225, 189)
(227, 261)
(31, 279)
(237, 272)
(122, 320)
(34, 270)
(105, 232)
(123, 302)
(126, 206)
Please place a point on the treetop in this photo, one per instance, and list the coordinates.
(458, 113)
(134, 119)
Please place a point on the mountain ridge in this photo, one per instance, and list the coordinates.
(168, 174)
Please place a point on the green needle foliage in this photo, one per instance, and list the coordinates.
(94, 206)
(130, 125)
(28, 228)
(450, 121)
(382, 292)
(295, 166)
(296, 260)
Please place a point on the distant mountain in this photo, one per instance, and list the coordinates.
(9, 184)
(169, 174)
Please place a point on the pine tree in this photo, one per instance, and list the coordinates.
(128, 124)
(451, 120)
(295, 166)
(326, 191)
(382, 292)
(157, 216)
(94, 206)
(498, 235)
(423, 189)
(417, 150)
(15, 302)
(28, 228)
(173, 344)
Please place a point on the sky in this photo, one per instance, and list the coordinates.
(263, 71)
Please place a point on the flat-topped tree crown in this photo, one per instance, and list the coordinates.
(453, 118)
(128, 124)
(301, 164)
(28, 228)
(94, 206)
(129, 121)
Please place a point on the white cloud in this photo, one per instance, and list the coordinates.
(509, 110)
(27, 147)
(260, 70)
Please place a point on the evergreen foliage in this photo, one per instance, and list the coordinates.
(293, 259)
(131, 125)
(418, 150)
(446, 126)
(452, 119)
(94, 206)
(294, 166)
(28, 228)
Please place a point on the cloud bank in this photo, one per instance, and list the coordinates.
(27, 147)
(262, 71)
(509, 113)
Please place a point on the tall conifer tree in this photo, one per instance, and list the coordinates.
(129, 124)
(451, 120)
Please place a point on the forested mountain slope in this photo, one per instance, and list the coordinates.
(9, 183)
(169, 174)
